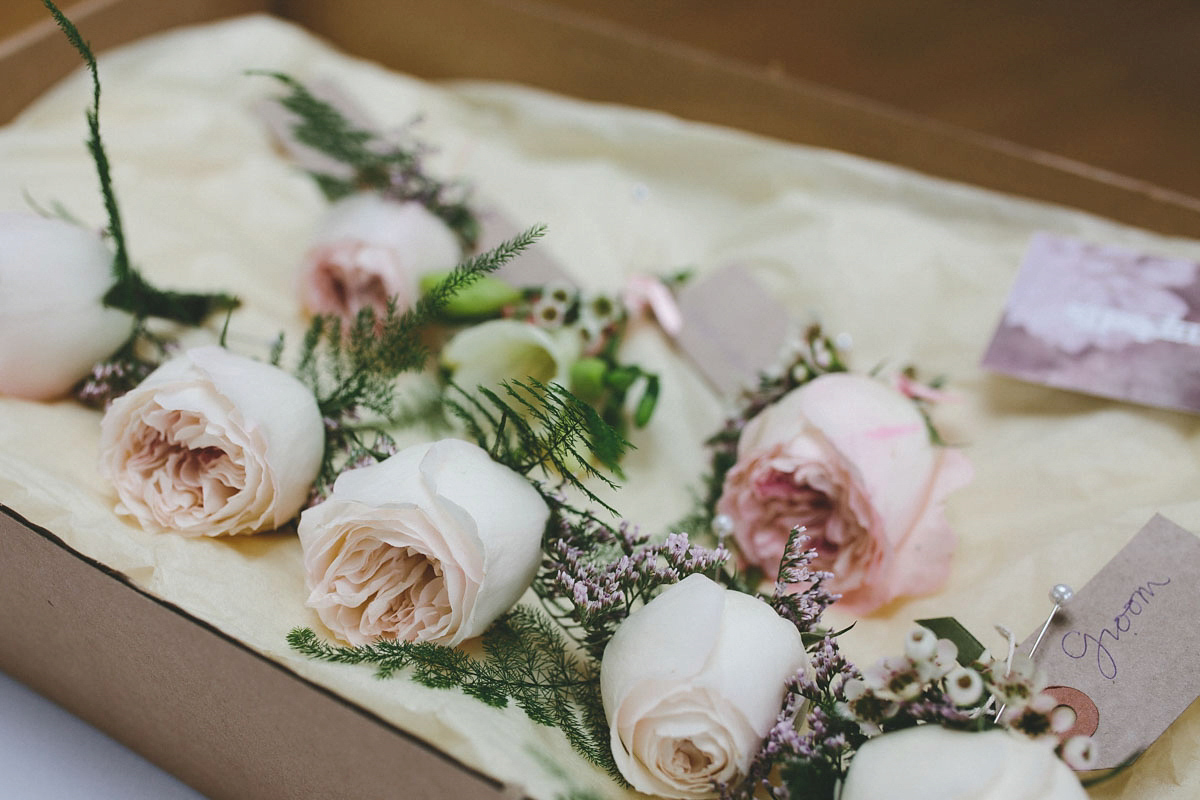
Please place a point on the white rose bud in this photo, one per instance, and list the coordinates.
(508, 349)
(692, 682)
(431, 545)
(929, 761)
(54, 325)
(213, 443)
(370, 249)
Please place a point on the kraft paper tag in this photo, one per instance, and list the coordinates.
(732, 328)
(1125, 651)
(1103, 320)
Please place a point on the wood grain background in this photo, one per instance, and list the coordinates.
(1111, 83)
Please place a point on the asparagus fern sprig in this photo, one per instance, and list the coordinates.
(131, 291)
(352, 371)
(537, 429)
(372, 161)
(525, 661)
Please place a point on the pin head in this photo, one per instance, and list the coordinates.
(1061, 594)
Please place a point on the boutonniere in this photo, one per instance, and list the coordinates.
(391, 235)
(854, 459)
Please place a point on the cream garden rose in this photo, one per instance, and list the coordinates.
(508, 349)
(54, 325)
(213, 444)
(850, 459)
(929, 761)
(692, 682)
(370, 249)
(431, 545)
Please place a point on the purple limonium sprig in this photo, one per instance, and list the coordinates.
(408, 180)
(110, 379)
(809, 745)
(802, 607)
(345, 440)
(594, 574)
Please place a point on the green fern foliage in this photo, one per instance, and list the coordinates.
(526, 661)
(131, 292)
(373, 162)
(541, 426)
(352, 370)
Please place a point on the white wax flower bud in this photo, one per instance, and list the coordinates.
(920, 644)
(964, 686)
(1080, 753)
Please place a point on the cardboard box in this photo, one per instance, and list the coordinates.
(218, 715)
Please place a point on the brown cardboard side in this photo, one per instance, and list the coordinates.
(222, 718)
(546, 45)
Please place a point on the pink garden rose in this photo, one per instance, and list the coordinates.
(370, 249)
(850, 459)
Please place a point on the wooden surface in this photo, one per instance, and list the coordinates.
(33, 54)
(574, 51)
(1111, 83)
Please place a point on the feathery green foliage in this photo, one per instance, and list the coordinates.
(541, 426)
(356, 368)
(131, 292)
(526, 661)
(352, 371)
(374, 163)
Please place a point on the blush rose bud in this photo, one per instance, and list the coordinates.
(54, 326)
(213, 444)
(371, 249)
(431, 545)
(692, 682)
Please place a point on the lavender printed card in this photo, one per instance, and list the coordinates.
(1103, 320)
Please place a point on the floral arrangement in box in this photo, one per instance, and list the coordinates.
(391, 235)
(853, 459)
(666, 662)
